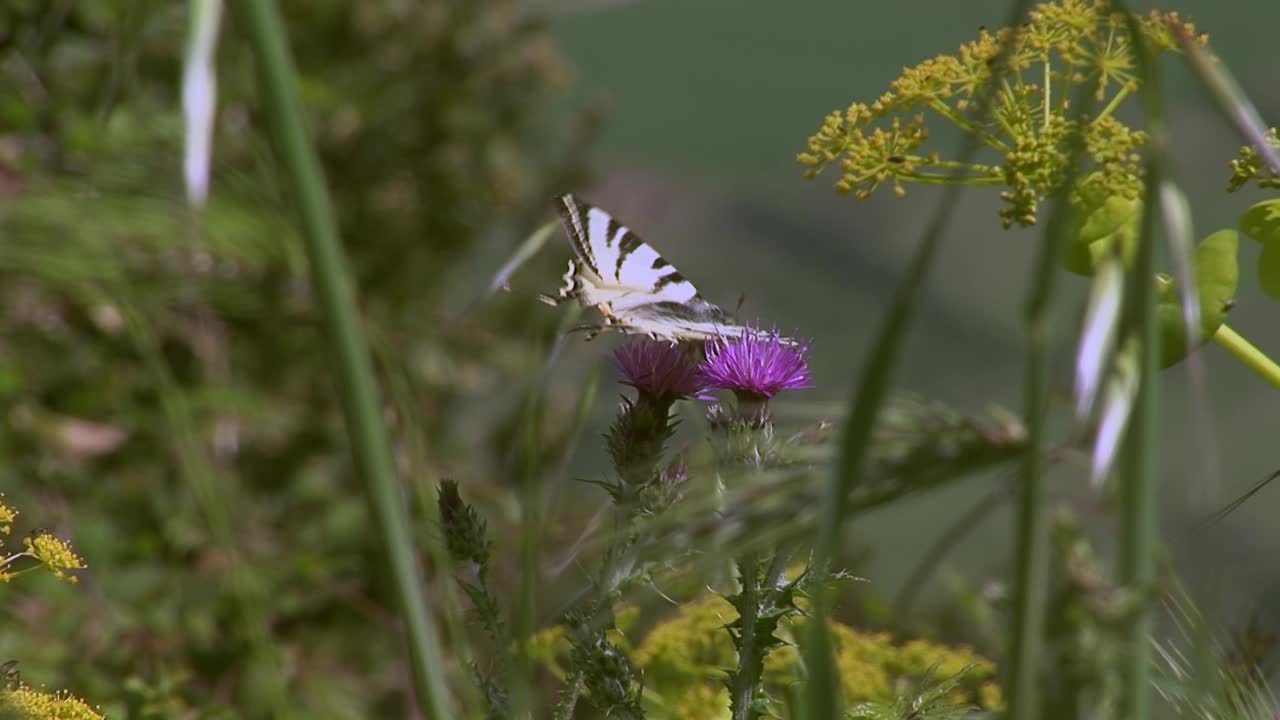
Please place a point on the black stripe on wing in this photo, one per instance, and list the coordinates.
(573, 214)
(668, 279)
(626, 246)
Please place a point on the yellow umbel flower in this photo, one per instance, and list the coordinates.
(28, 703)
(55, 554)
(685, 661)
(7, 516)
(1029, 126)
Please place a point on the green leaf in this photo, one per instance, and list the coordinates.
(1100, 220)
(1217, 274)
(1262, 222)
(1269, 269)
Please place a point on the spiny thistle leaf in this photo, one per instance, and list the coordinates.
(466, 537)
(612, 683)
(762, 603)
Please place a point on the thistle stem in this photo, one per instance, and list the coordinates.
(750, 660)
(1247, 353)
(569, 696)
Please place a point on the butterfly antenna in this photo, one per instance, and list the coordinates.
(737, 310)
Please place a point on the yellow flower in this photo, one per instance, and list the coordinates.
(30, 704)
(7, 516)
(1028, 127)
(684, 660)
(56, 554)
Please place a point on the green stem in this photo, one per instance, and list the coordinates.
(1247, 353)
(1048, 88)
(750, 659)
(1032, 532)
(1136, 561)
(1115, 102)
(948, 179)
(945, 111)
(980, 168)
(360, 403)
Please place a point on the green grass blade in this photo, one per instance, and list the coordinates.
(531, 246)
(1229, 98)
(871, 388)
(360, 403)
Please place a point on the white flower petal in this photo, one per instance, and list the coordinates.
(1175, 212)
(199, 97)
(1102, 317)
(1117, 407)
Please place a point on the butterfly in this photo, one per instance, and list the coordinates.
(634, 288)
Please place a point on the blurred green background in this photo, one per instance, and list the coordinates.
(710, 102)
(168, 401)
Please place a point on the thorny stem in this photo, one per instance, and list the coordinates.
(951, 115)
(750, 661)
(569, 696)
(778, 566)
(1247, 353)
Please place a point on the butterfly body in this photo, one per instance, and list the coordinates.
(633, 287)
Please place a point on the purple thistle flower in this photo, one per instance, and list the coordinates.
(756, 366)
(658, 368)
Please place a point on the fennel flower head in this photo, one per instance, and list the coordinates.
(756, 366)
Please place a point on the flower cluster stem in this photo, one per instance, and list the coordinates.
(1111, 106)
(948, 179)
(954, 118)
(1137, 547)
(1247, 353)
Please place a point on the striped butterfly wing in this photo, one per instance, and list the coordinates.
(633, 286)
